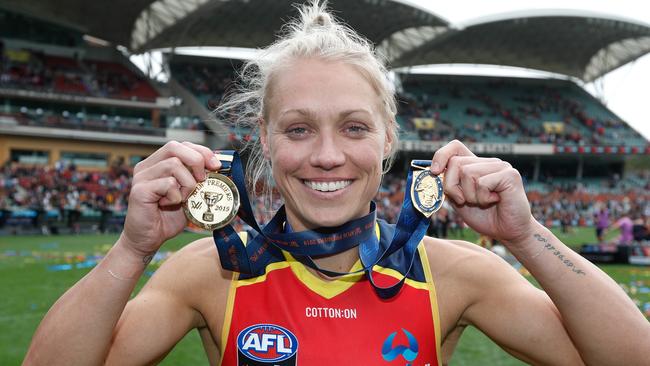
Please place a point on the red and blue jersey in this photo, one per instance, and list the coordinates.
(291, 316)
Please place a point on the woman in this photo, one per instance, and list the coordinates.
(326, 120)
(625, 225)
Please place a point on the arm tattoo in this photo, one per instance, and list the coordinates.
(551, 248)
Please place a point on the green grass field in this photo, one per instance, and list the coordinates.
(30, 284)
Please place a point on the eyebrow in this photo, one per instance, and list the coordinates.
(312, 115)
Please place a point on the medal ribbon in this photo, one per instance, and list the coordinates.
(266, 242)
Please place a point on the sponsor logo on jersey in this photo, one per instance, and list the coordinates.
(266, 344)
(409, 353)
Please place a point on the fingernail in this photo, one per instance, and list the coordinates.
(214, 160)
(435, 167)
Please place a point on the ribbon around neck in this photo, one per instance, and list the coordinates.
(266, 243)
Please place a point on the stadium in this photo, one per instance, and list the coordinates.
(77, 114)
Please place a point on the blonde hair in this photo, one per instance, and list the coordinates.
(316, 34)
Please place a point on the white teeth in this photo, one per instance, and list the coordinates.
(328, 186)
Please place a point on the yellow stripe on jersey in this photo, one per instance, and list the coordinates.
(270, 268)
(320, 285)
(433, 298)
(397, 275)
(225, 329)
(325, 287)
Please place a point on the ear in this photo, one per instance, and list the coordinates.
(264, 140)
(388, 143)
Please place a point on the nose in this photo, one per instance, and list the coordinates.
(327, 153)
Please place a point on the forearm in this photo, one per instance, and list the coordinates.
(604, 324)
(78, 328)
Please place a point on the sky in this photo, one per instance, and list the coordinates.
(625, 90)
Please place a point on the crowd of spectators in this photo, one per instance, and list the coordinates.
(44, 198)
(34, 70)
(50, 198)
(500, 110)
(78, 120)
(503, 110)
(204, 80)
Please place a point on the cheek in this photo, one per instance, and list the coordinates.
(369, 158)
(285, 156)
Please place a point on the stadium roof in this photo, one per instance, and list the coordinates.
(110, 20)
(255, 23)
(142, 25)
(580, 44)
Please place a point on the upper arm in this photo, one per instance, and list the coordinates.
(165, 309)
(519, 317)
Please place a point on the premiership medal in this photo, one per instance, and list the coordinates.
(214, 202)
(426, 191)
(263, 245)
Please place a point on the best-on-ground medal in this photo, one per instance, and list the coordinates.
(214, 202)
(426, 190)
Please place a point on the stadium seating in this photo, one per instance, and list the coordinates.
(37, 196)
(208, 82)
(33, 70)
(472, 109)
(513, 110)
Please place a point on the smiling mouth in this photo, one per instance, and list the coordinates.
(327, 186)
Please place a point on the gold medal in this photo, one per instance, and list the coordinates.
(214, 202)
(427, 192)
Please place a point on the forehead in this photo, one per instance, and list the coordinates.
(319, 86)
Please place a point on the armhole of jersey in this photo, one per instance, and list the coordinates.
(433, 298)
(227, 317)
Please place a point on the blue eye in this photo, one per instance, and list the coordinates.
(356, 128)
(297, 132)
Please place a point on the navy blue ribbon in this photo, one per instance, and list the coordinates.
(265, 243)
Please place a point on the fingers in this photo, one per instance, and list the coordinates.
(170, 167)
(172, 172)
(504, 180)
(477, 181)
(195, 157)
(165, 191)
(457, 182)
(211, 161)
(443, 155)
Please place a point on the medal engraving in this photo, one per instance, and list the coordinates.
(427, 192)
(214, 202)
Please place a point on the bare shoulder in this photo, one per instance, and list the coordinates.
(193, 273)
(463, 260)
(463, 273)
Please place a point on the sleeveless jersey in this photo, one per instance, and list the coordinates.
(291, 316)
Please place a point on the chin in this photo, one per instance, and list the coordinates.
(332, 217)
(329, 222)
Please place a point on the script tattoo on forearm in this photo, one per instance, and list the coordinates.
(551, 248)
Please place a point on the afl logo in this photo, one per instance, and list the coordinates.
(264, 344)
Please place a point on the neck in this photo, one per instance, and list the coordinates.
(340, 262)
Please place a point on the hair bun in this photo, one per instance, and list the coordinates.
(320, 20)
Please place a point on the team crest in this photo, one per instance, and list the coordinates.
(426, 192)
(267, 345)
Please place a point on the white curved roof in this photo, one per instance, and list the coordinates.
(581, 44)
(577, 43)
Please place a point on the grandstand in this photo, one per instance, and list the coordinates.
(69, 100)
(76, 114)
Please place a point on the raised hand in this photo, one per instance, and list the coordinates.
(488, 193)
(161, 183)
